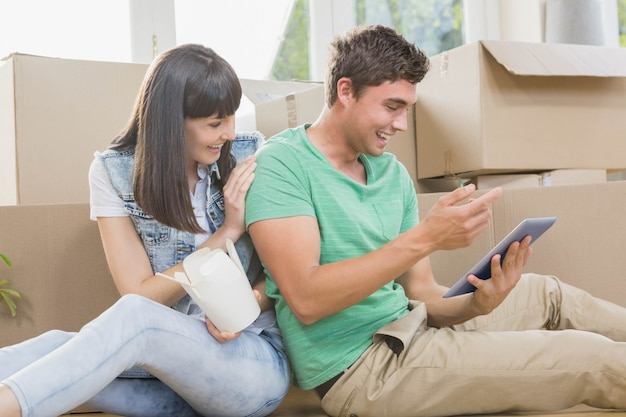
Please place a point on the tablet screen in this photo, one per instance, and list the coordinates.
(534, 226)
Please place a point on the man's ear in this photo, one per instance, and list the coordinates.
(344, 90)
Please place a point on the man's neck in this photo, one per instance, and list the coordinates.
(330, 140)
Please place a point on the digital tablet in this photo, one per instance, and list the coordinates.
(534, 227)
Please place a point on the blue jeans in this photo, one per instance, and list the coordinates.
(140, 358)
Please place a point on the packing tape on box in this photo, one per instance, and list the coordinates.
(292, 110)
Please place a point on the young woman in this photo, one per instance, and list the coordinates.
(172, 182)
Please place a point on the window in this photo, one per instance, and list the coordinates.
(247, 33)
(291, 61)
(433, 25)
(621, 14)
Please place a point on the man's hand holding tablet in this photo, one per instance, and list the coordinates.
(533, 227)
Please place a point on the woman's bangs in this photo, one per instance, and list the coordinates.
(231, 98)
(219, 96)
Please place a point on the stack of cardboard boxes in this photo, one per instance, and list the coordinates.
(489, 108)
(534, 114)
(54, 114)
(546, 122)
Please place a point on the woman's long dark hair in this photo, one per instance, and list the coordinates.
(187, 81)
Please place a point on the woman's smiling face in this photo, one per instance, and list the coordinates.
(205, 136)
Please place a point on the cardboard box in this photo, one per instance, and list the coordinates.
(573, 176)
(54, 113)
(279, 105)
(439, 185)
(542, 179)
(584, 247)
(485, 182)
(59, 267)
(504, 107)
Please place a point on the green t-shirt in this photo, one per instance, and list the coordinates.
(294, 179)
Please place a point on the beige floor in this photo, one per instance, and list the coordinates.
(306, 404)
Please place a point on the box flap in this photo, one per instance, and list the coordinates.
(10, 56)
(260, 91)
(19, 54)
(549, 59)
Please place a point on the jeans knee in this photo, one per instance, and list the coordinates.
(131, 301)
(131, 309)
(56, 338)
(129, 317)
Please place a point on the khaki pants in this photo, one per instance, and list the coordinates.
(504, 361)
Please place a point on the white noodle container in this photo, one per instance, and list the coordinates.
(218, 284)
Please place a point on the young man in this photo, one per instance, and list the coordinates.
(335, 222)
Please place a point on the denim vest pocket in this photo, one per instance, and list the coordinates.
(153, 233)
(157, 238)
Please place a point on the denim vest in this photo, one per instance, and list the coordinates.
(165, 245)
